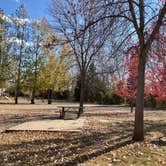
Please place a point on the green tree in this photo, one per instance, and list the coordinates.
(5, 54)
(20, 33)
(35, 59)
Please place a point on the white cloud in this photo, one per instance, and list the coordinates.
(29, 44)
(17, 1)
(6, 19)
(14, 40)
(21, 21)
(19, 42)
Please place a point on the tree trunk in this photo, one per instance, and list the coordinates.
(139, 114)
(35, 80)
(82, 94)
(17, 86)
(18, 77)
(131, 106)
(125, 101)
(33, 97)
(49, 96)
(16, 96)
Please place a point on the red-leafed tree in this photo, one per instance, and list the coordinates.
(127, 87)
(155, 80)
(156, 74)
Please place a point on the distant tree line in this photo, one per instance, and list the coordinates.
(28, 65)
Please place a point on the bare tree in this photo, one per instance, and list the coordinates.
(70, 20)
(5, 46)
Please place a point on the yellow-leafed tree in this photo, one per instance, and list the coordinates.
(55, 74)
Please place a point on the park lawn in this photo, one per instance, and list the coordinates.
(152, 151)
(136, 154)
(106, 139)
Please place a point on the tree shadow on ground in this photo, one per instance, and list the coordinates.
(83, 158)
(66, 149)
(21, 103)
(13, 120)
(108, 114)
(72, 148)
(160, 142)
(157, 126)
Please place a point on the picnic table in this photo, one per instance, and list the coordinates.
(72, 109)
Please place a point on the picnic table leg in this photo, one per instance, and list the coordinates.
(62, 113)
(80, 111)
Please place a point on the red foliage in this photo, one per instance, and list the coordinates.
(155, 80)
(127, 87)
(162, 1)
(156, 74)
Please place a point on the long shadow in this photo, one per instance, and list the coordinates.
(157, 126)
(109, 114)
(60, 147)
(155, 109)
(85, 157)
(85, 140)
(12, 103)
(6, 123)
(159, 142)
(13, 120)
(118, 136)
(21, 119)
(106, 106)
(83, 143)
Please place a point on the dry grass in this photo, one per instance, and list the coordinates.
(104, 140)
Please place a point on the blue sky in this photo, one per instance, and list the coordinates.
(36, 8)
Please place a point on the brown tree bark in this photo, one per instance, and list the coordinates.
(33, 97)
(82, 92)
(144, 44)
(35, 80)
(49, 96)
(131, 106)
(139, 114)
(18, 80)
(16, 96)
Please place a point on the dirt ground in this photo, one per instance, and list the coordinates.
(105, 138)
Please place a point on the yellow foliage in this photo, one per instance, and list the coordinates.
(55, 73)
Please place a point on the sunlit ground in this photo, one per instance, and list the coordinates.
(105, 139)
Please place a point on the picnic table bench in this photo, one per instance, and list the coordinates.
(71, 109)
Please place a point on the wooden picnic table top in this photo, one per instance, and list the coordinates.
(69, 106)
